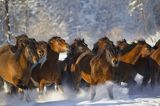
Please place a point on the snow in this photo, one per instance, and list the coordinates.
(122, 97)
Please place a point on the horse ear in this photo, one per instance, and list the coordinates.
(83, 39)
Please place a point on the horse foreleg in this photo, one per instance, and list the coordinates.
(93, 92)
(58, 86)
(110, 92)
(145, 81)
(41, 87)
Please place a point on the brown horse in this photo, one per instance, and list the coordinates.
(129, 58)
(155, 66)
(15, 67)
(50, 71)
(96, 68)
(122, 44)
(157, 44)
(141, 66)
(76, 49)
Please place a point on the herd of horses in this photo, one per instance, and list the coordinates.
(33, 64)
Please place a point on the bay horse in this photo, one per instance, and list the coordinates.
(121, 44)
(141, 66)
(50, 71)
(129, 59)
(157, 44)
(96, 68)
(76, 49)
(155, 66)
(15, 67)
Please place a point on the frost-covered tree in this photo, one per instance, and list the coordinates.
(138, 5)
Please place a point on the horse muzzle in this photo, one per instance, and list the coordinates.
(115, 62)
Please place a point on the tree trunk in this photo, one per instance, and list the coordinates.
(7, 25)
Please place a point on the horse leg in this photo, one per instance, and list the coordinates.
(110, 92)
(93, 92)
(41, 87)
(145, 81)
(77, 79)
(58, 85)
(153, 81)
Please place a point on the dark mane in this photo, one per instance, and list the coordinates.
(157, 44)
(128, 48)
(95, 47)
(142, 41)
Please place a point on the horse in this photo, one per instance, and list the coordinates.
(16, 66)
(76, 49)
(122, 44)
(155, 66)
(50, 72)
(141, 66)
(96, 68)
(157, 44)
(131, 58)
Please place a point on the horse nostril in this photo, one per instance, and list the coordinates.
(115, 61)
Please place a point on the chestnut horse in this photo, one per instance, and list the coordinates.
(50, 71)
(96, 68)
(16, 66)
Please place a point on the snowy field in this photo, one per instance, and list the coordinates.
(122, 97)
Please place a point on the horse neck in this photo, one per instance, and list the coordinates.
(101, 54)
(52, 55)
(132, 56)
(22, 60)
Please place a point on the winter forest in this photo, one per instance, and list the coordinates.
(85, 18)
(91, 20)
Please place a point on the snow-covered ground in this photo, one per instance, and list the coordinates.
(123, 97)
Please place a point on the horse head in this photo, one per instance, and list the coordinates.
(58, 44)
(30, 51)
(122, 44)
(157, 45)
(146, 48)
(78, 46)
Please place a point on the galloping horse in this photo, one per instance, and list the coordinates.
(155, 64)
(15, 67)
(129, 57)
(157, 44)
(76, 49)
(50, 71)
(141, 66)
(96, 68)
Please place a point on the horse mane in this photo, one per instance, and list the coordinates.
(157, 44)
(95, 47)
(128, 48)
(53, 38)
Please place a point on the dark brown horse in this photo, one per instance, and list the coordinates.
(157, 44)
(97, 67)
(50, 71)
(16, 66)
(141, 66)
(122, 44)
(129, 59)
(155, 66)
